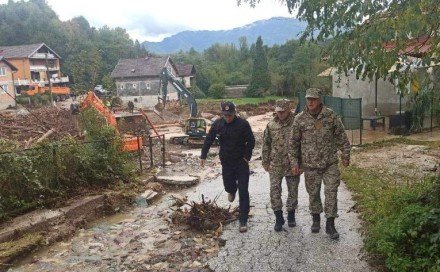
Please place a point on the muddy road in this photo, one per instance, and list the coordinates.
(142, 239)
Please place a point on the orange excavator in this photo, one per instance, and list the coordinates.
(130, 142)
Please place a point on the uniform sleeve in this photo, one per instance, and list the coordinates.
(342, 140)
(295, 144)
(267, 146)
(210, 138)
(249, 140)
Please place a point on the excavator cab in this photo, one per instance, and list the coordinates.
(195, 131)
(195, 127)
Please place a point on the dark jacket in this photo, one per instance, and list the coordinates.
(236, 140)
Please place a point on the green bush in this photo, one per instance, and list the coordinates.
(197, 93)
(40, 176)
(23, 100)
(217, 90)
(403, 222)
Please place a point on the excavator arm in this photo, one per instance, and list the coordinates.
(93, 101)
(130, 142)
(167, 77)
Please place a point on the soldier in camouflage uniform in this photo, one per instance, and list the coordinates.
(276, 162)
(317, 134)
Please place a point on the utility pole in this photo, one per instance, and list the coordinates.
(48, 78)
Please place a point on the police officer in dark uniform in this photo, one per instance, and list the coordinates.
(236, 141)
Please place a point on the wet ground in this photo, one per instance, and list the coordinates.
(293, 249)
(141, 239)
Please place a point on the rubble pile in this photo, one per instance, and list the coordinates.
(27, 126)
(203, 216)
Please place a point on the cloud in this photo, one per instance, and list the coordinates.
(154, 20)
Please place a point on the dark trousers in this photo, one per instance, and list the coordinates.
(236, 177)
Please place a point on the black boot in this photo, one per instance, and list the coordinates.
(291, 218)
(330, 228)
(316, 222)
(279, 220)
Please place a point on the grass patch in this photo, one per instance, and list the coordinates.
(402, 222)
(399, 140)
(14, 249)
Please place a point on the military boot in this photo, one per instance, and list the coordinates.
(316, 222)
(279, 221)
(330, 228)
(291, 218)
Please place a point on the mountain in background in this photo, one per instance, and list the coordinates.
(277, 30)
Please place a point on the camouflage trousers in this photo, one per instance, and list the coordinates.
(292, 182)
(330, 176)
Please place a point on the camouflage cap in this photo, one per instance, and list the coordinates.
(282, 104)
(313, 93)
(228, 107)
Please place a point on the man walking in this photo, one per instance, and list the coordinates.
(317, 135)
(275, 160)
(236, 141)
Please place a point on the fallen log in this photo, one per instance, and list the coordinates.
(45, 135)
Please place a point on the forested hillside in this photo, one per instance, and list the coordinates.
(89, 54)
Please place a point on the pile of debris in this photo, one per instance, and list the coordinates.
(205, 216)
(28, 126)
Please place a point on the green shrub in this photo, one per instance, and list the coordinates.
(217, 90)
(197, 93)
(40, 176)
(23, 100)
(402, 222)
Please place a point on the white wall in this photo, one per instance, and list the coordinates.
(146, 101)
(387, 99)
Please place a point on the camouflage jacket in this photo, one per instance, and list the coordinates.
(317, 140)
(275, 141)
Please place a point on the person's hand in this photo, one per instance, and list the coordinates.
(295, 171)
(266, 167)
(345, 163)
(202, 162)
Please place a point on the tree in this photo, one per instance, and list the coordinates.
(372, 36)
(260, 81)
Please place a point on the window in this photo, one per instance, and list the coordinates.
(4, 88)
(3, 71)
(148, 86)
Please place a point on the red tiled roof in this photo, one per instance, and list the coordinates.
(415, 47)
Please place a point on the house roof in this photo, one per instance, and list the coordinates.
(327, 72)
(414, 47)
(149, 66)
(185, 69)
(24, 51)
(12, 67)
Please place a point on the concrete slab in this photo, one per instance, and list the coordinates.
(178, 180)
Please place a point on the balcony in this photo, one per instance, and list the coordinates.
(21, 82)
(42, 56)
(38, 68)
(60, 80)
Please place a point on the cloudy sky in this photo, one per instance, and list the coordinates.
(153, 20)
